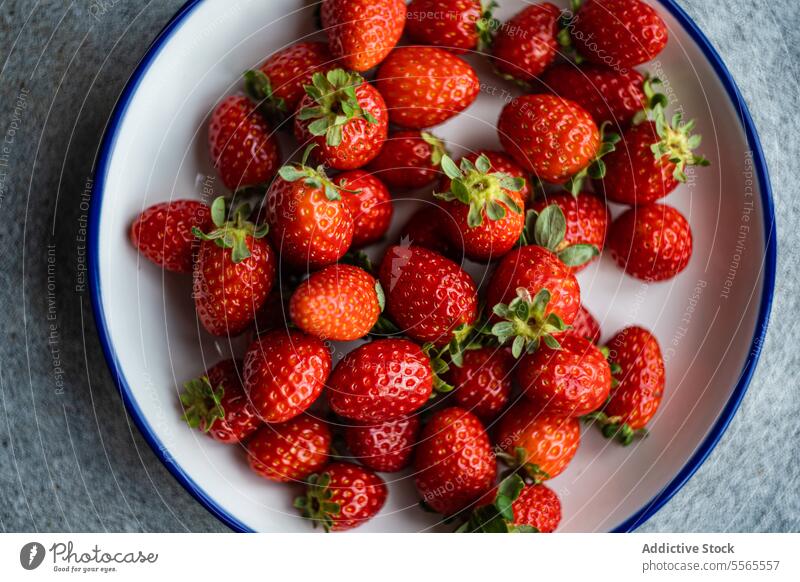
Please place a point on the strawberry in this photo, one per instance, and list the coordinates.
(386, 446)
(485, 207)
(652, 242)
(310, 224)
(586, 215)
(339, 303)
(362, 32)
(216, 404)
(344, 496)
(513, 506)
(234, 272)
(425, 86)
(457, 25)
(454, 461)
(428, 296)
(540, 443)
(163, 233)
(284, 373)
(409, 159)
(650, 161)
(586, 326)
(527, 44)
(571, 380)
(617, 33)
(279, 83)
(345, 116)
(291, 450)
(370, 205)
(639, 373)
(425, 228)
(483, 381)
(381, 380)
(243, 148)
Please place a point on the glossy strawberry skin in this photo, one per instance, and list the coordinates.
(240, 419)
(370, 206)
(618, 33)
(526, 45)
(359, 493)
(284, 373)
(535, 268)
(449, 24)
(483, 382)
(290, 451)
(586, 326)
(381, 380)
(242, 146)
(425, 228)
(361, 139)
(163, 233)
(427, 295)
(385, 446)
(425, 86)
(587, 219)
(405, 161)
(641, 378)
(308, 230)
(571, 381)
(537, 506)
(228, 295)
(362, 32)
(607, 94)
(651, 242)
(337, 303)
(549, 440)
(291, 68)
(552, 137)
(454, 461)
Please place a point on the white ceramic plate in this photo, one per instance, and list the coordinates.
(710, 320)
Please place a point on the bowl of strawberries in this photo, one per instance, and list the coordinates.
(443, 265)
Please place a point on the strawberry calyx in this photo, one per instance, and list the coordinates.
(258, 87)
(313, 177)
(336, 104)
(498, 516)
(439, 366)
(677, 142)
(202, 403)
(564, 36)
(525, 319)
(613, 427)
(597, 168)
(518, 463)
(232, 233)
(316, 504)
(438, 150)
(486, 25)
(484, 191)
(548, 229)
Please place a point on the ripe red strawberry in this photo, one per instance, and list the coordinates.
(217, 405)
(652, 242)
(163, 233)
(587, 218)
(234, 273)
(370, 205)
(639, 371)
(618, 33)
(344, 116)
(409, 159)
(362, 32)
(483, 381)
(554, 138)
(571, 380)
(485, 207)
(454, 461)
(650, 161)
(609, 95)
(344, 496)
(339, 303)
(381, 380)
(586, 326)
(425, 228)
(541, 443)
(310, 225)
(457, 25)
(425, 86)
(279, 83)
(243, 148)
(526, 45)
(428, 296)
(386, 446)
(290, 451)
(513, 506)
(284, 373)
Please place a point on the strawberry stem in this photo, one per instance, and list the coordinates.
(232, 234)
(202, 403)
(527, 322)
(316, 504)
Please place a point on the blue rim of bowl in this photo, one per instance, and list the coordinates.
(630, 524)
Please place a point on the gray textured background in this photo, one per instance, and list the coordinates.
(70, 458)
